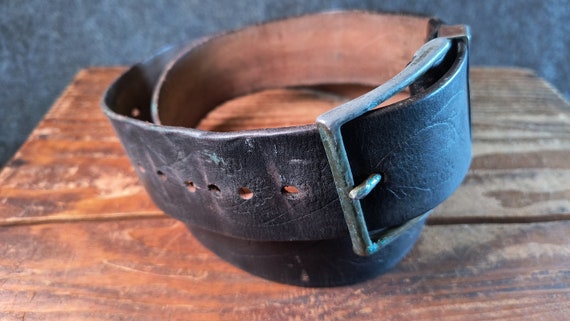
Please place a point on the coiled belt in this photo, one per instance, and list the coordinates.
(329, 203)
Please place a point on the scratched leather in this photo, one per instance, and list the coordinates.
(421, 147)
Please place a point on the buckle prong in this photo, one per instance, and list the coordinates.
(329, 125)
(364, 188)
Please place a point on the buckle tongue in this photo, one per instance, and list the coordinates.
(329, 125)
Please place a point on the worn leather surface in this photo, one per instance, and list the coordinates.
(308, 263)
(421, 145)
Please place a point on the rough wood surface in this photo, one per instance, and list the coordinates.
(155, 270)
(73, 167)
(80, 240)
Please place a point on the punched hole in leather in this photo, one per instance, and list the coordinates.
(264, 199)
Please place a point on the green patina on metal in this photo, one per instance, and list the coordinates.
(329, 125)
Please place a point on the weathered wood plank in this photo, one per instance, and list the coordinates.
(73, 168)
(155, 270)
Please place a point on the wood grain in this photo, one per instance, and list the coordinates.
(80, 240)
(72, 166)
(155, 270)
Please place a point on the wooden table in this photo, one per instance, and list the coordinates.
(80, 240)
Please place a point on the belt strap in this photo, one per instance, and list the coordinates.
(277, 184)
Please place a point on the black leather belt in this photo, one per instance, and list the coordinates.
(330, 203)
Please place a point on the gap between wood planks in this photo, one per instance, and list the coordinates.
(76, 218)
(118, 216)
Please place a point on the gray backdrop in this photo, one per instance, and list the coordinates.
(44, 43)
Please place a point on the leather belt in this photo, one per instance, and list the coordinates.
(329, 203)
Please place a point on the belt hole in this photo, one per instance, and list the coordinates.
(190, 186)
(245, 193)
(161, 175)
(290, 190)
(135, 112)
(213, 188)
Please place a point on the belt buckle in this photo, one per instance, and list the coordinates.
(330, 123)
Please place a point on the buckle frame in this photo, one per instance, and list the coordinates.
(329, 125)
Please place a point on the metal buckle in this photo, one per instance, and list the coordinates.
(329, 125)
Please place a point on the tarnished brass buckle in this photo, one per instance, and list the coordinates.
(329, 125)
